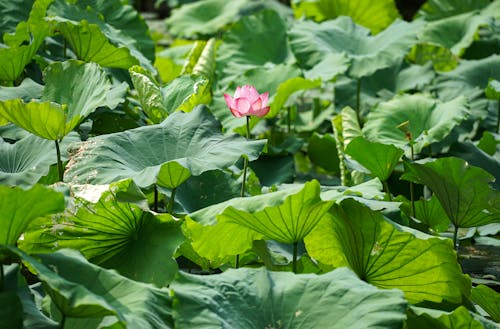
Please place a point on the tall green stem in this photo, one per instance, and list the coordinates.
(63, 322)
(358, 101)
(294, 259)
(1, 278)
(155, 205)
(386, 189)
(171, 202)
(59, 162)
(412, 192)
(289, 119)
(242, 193)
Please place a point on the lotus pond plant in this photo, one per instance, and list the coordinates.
(358, 193)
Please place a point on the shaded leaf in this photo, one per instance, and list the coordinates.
(322, 150)
(311, 42)
(256, 298)
(462, 190)
(429, 121)
(286, 89)
(388, 256)
(167, 154)
(437, 9)
(488, 299)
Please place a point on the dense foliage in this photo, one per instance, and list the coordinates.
(132, 197)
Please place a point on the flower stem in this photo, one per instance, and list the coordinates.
(63, 322)
(412, 192)
(294, 259)
(59, 162)
(289, 119)
(171, 202)
(245, 164)
(386, 189)
(1, 278)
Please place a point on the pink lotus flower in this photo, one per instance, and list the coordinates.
(247, 101)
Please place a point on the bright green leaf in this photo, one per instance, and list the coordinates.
(149, 94)
(462, 190)
(488, 299)
(19, 207)
(184, 144)
(493, 89)
(375, 15)
(91, 45)
(185, 93)
(379, 159)
(286, 89)
(256, 298)
(114, 234)
(388, 256)
(460, 318)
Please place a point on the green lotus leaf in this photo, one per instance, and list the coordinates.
(388, 256)
(257, 298)
(72, 91)
(26, 161)
(322, 151)
(82, 290)
(286, 89)
(438, 9)
(493, 89)
(12, 13)
(249, 44)
(462, 190)
(430, 212)
(455, 33)
(374, 15)
(167, 154)
(11, 312)
(113, 234)
(311, 42)
(488, 299)
(91, 45)
(207, 17)
(22, 47)
(328, 68)
(27, 90)
(120, 23)
(460, 318)
(429, 121)
(470, 79)
(285, 216)
(19, 207)
(186, 92)
(379, 159)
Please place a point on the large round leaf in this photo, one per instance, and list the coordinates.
(311, 42)
(437, 9)
(388, 256)
(256, 298)
(462, 190)
(81, 290)
(375, 15)
(114, 234)
(429, 121)
(19, 207)
(460, 318)
(229, 228)
(72, 91)
(167, 154)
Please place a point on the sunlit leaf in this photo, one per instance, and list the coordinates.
(488, 299)
(256, 298)
(388, 256)
(114, 234)
(167, 154)
(374, 15)
(286, 89)
(460, 318)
